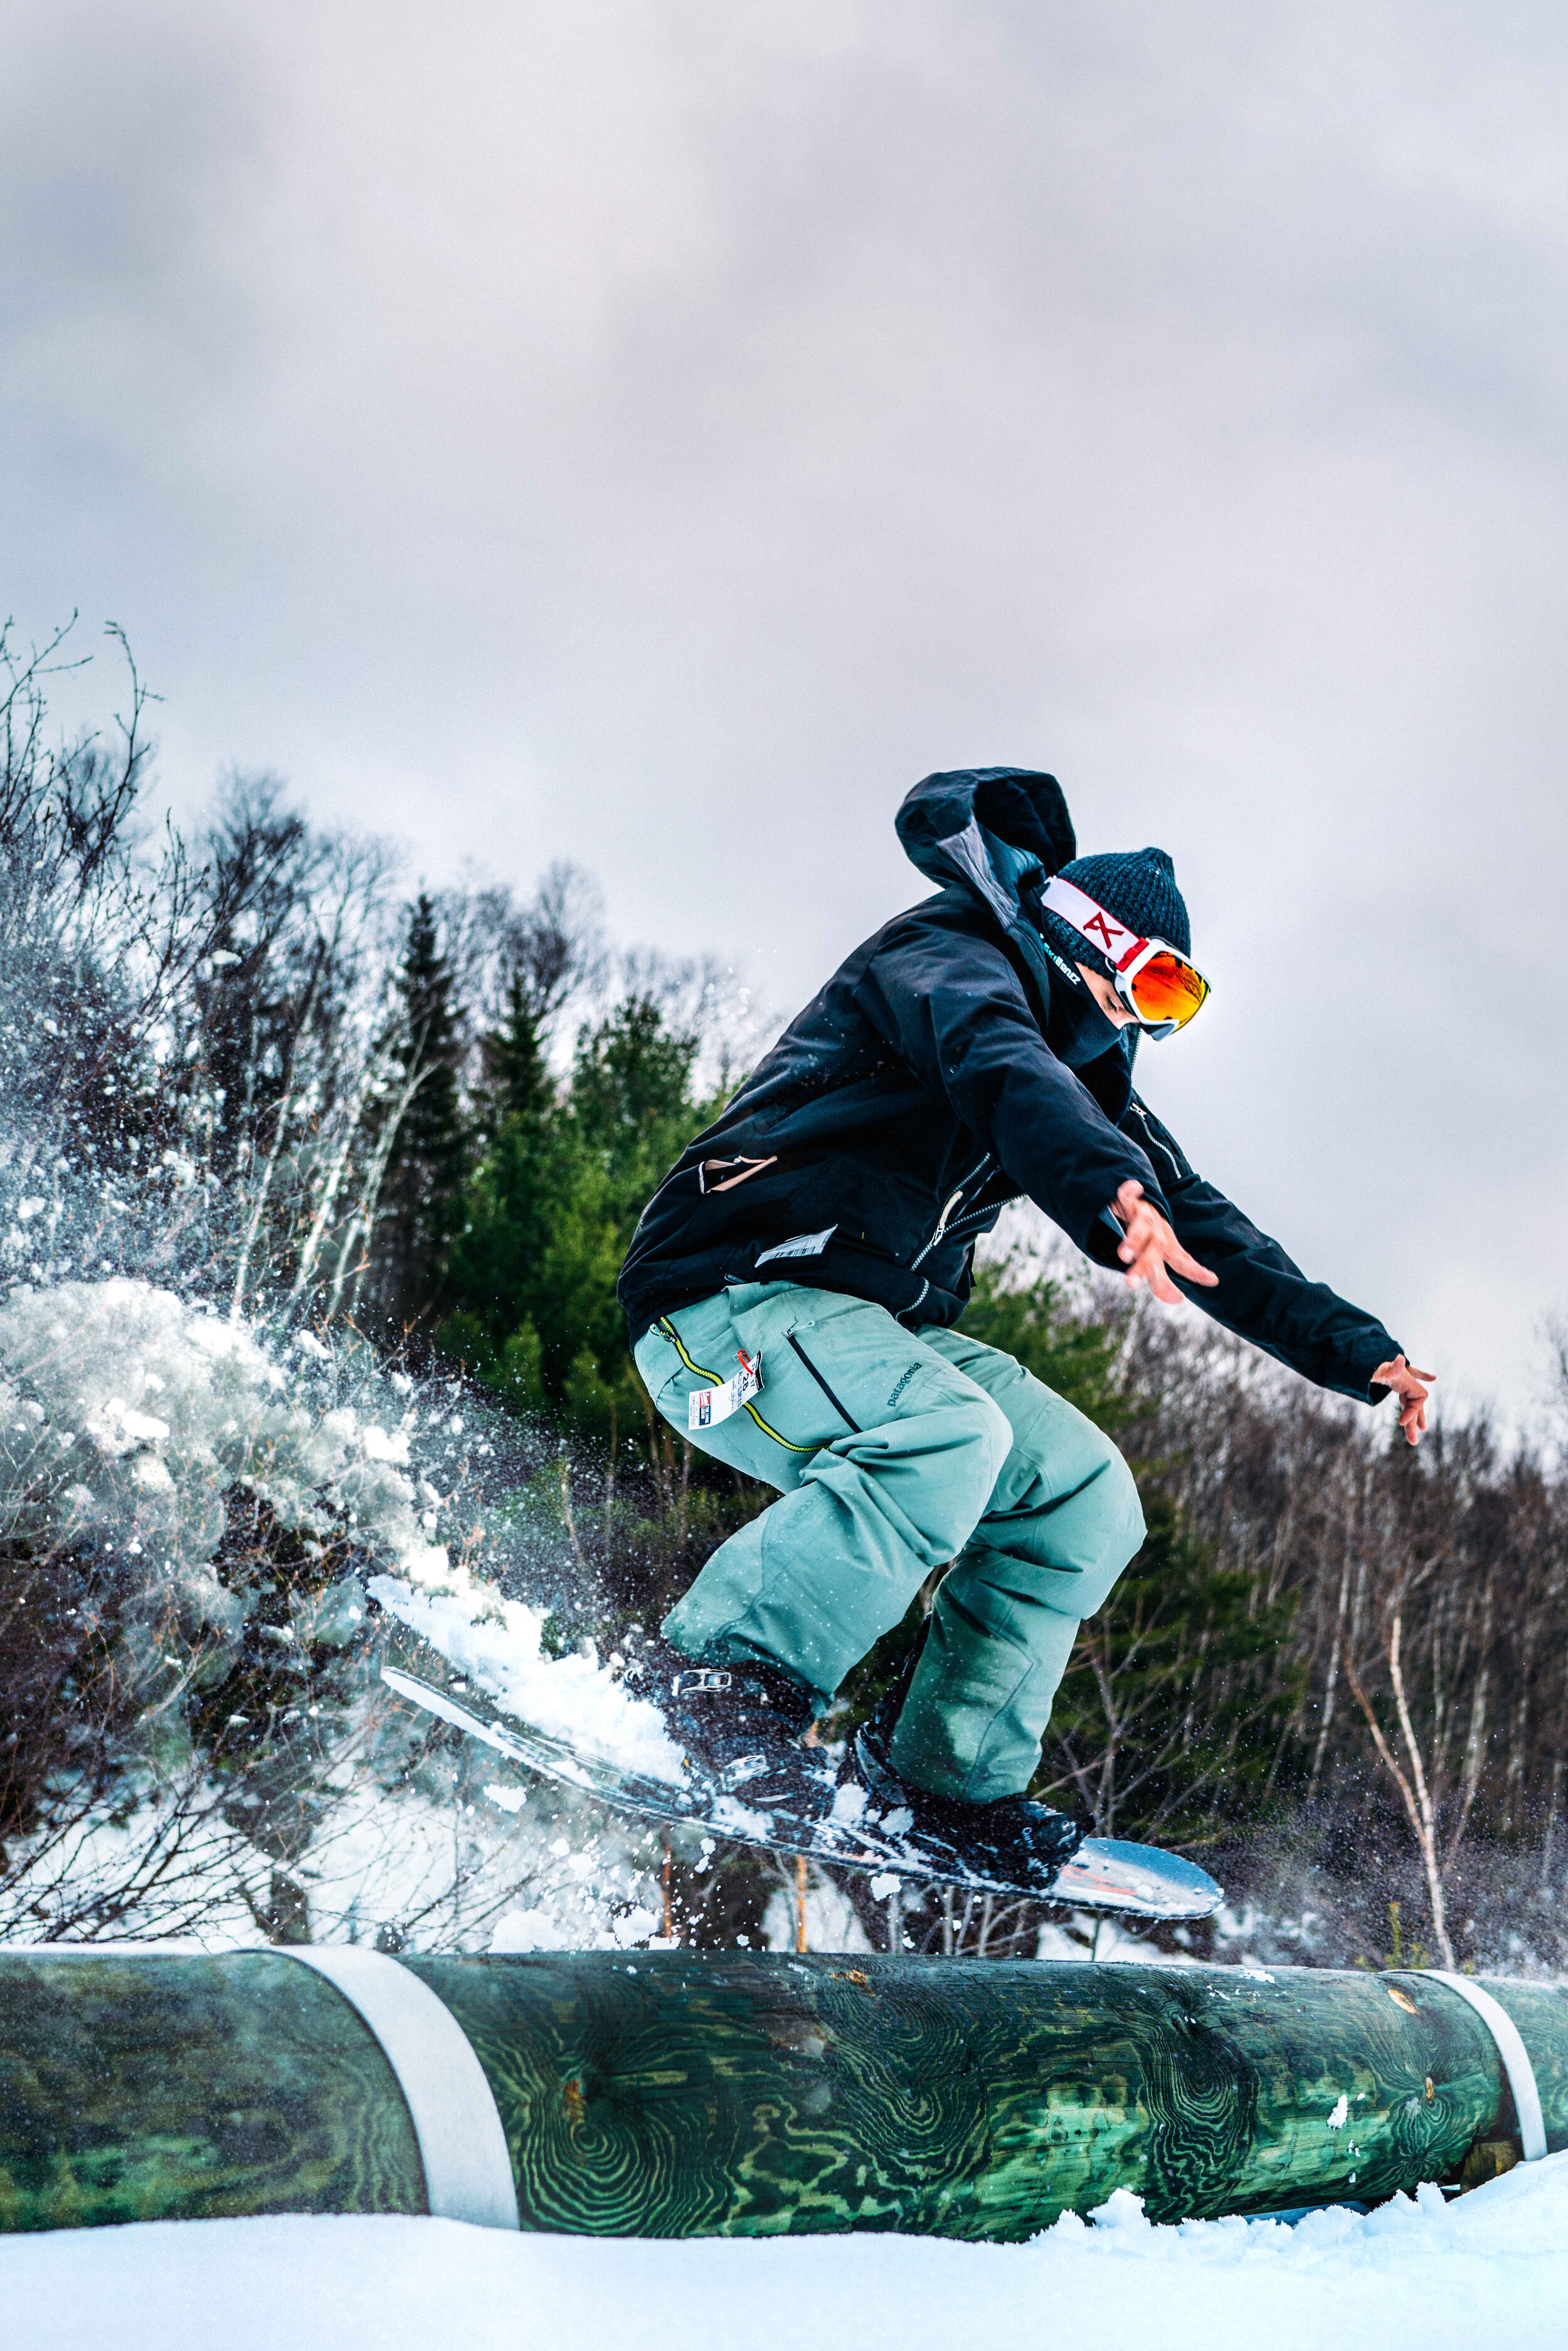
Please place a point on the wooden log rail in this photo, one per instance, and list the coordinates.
(684, 2093)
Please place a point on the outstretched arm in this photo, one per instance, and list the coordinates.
(1256, 1292)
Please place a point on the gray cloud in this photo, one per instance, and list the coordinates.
(655, 433)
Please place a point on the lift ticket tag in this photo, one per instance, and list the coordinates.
(708, 1406)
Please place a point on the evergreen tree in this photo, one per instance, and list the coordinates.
(532, 1275)
(634, 1114)
(551, 1207)
(632, 1101)
(422, 1193)
(517, 1080)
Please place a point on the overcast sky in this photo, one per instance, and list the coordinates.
(657, 433)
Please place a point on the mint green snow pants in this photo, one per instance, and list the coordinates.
(896, 1452)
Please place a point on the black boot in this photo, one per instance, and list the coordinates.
(741, 1725)
(1011, 1844)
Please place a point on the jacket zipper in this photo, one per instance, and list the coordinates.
(975, 1217)
(1152, 1146)
(941, 1229)
(947, 1211)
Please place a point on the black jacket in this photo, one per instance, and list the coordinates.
(917, 1094)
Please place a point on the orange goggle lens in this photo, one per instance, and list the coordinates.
(1167, 990)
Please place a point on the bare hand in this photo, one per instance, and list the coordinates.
(1151, 1246)
(1406, 1385)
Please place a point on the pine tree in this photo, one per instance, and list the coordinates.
(551, 1207)
(516, 1080)
(421, 1204)
(632, 1100)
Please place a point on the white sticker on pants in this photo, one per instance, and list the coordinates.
(708, 1406)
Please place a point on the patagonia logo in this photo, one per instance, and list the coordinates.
(901, 1385)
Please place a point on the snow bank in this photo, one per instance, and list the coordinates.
(1491, 2268)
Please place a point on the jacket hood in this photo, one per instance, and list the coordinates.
(995, 828)
(953, 824)
(1003, 831)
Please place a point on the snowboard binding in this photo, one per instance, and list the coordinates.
(1010, 1840)
(784, 1796)
(740, 1727)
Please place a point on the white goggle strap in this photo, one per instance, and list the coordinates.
(1114, 941)
(1126, 953)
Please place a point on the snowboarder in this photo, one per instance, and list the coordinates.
(794, 1287)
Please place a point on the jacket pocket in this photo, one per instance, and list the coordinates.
(725, 1174)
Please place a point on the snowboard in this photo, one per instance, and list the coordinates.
(845, 1826)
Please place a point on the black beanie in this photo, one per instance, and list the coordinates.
(1139, 887)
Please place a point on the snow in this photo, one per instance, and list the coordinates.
(543, 1929)
(81, 1455)
(1492, 2267)
(128, 1417)
(496, 1643)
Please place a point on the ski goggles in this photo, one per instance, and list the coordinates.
(1159, 986)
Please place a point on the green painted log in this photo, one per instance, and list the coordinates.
(156, 2088)
(674, 2093)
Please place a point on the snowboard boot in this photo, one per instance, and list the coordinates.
(1009, 1843)
(741, 1726)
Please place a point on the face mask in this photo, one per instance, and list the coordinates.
(1078, 1032)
